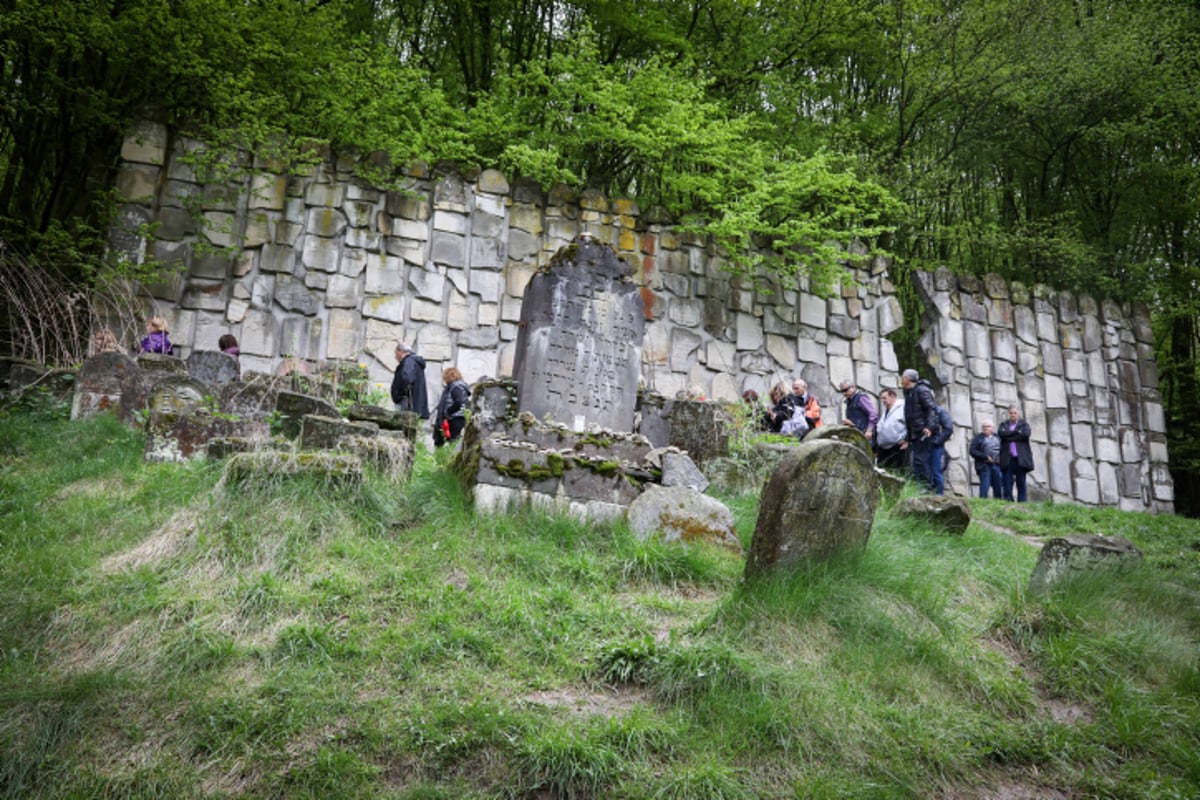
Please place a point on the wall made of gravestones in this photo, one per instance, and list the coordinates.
(317, 265)
(1082, 372)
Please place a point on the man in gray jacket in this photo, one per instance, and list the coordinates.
(891, 432)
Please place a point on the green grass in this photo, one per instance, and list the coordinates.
(162, 635)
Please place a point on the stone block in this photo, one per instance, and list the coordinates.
(343, 292)
(812, 311)
(259, 334)
(1060, 470)
(329, 223)
(684, 344)
(820, 501)
(385, 307)
(145, 143)
(292, 295)
(749, 332)
(345, 335)
(321, 255)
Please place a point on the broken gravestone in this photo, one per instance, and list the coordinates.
(99, 384)
(579, 343)
(680, 514)
(293, 407)
(319, 432)
(678, 469)
(1080, 554)
(267, 467)
(951, 514)
(819, 502)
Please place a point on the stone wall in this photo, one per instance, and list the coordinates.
(317, 265)
(1081, 370)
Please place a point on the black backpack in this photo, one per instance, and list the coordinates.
(945, 425)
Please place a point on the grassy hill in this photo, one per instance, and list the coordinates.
(163, 635)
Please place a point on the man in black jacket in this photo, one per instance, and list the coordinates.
(408, 385)
(921, 419)
(1016, 457)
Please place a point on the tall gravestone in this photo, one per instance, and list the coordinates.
(579, 345)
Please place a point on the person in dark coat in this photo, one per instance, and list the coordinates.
(860, 409)
(985, 449)
(921, 419)
(408, 385)
(452, 408)
(1016, 457)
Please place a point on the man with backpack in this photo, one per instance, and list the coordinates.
(924, 430)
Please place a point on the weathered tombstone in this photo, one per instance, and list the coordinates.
(407, 422)
(701, 428)
(253, 399)
(213, 366)
(168, 402)
(951, 514)
(99, 384)
(579, 345)
(161, 365)
(819, 502)
(319, 432)
(292, 408)
(680, 514)
(1080, 554)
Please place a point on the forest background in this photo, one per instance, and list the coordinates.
(1048, 141)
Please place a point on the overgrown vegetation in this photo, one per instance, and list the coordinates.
(162, 636)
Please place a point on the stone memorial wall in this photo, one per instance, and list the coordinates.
(318, 265)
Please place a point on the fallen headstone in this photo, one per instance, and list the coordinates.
(951, 514)
(1080, 554)
(293, 407)
(323, 433)
(680, 514)
(262, 467)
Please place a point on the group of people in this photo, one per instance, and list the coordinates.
(910, 433)
(157, 340)
(409, 394)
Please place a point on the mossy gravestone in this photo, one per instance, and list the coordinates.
(579, 345)
(819, 502)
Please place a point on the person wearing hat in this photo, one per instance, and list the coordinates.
(408, 385)
(860, 409)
